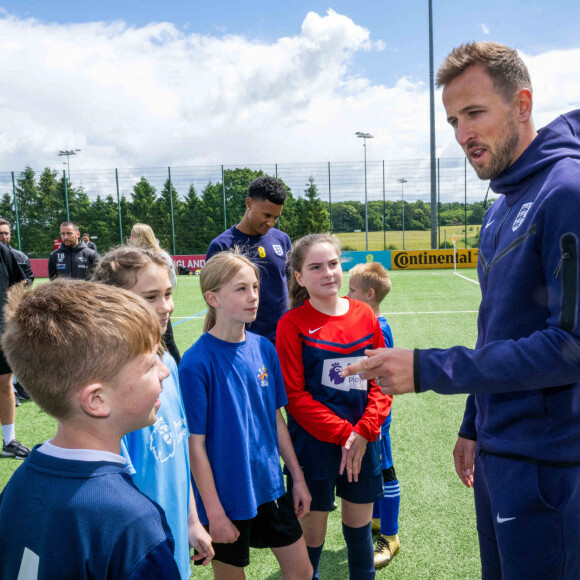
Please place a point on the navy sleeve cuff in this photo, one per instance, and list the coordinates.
(416, 375)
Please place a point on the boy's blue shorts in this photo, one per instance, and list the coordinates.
(365, 490)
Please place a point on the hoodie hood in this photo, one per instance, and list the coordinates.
(560, 139)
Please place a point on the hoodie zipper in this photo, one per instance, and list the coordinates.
(487, 266)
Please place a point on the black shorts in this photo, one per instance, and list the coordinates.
(4, 366)
(274, 526)
(365, 490)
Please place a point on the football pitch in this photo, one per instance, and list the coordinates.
(426, 308)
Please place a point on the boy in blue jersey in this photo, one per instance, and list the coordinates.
(266, 246)
(370, 283)
(87, 354)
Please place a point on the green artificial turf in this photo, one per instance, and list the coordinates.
(426, 308)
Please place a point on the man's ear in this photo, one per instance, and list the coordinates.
(524, 97)
(249, 202)
(94, 401)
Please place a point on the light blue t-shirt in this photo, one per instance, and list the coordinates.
(231, 392)
(158, 458)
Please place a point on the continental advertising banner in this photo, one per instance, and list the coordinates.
(427, 259)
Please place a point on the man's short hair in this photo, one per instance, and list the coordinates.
(268, 188)
(74, 226)
(4, 222)
(503, 64)
(86, 234)
(65, 335)
(372, 275)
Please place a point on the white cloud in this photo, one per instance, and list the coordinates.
(156, 96)
(484, 28)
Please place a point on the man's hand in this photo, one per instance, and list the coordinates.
(200, 540)
(464, 457)
(392, 369)
(352, 455)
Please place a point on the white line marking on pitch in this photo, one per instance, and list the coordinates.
(434, 312)
(466, 278)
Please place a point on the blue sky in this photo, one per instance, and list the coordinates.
(191, 83)
(532, 26)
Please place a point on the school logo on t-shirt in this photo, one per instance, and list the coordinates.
(331, 374)
(278, 249)
(263, 376)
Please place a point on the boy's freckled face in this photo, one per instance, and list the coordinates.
(135, 397)
(355, 291)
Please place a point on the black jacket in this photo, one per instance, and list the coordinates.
(24, 263)
(77, 262)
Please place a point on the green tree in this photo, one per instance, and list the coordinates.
(142, 205)
(311, 215)
(104, 223)
(345, 217)
(163, 205)
(189, 239)
(36, 231)
(237, 182)
(476, 213)
(52, 199)
(212, 207)
(7, 209)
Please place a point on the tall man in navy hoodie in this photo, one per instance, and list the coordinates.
(73, 259)
(519, 444)
(266, 246)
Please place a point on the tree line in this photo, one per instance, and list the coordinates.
(197, 217)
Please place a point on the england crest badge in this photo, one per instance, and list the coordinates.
(521, 215)
(278, 249)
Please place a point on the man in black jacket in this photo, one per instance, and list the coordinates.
(10, 274)
(21, 257)
(73, 259)
(87, 241)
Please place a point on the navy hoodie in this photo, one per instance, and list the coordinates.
(524, 374)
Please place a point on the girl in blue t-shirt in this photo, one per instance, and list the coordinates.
(233, 390)
(334, 422)
(158, 456)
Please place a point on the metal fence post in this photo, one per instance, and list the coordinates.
(330, 200)
(119, 206)
(171, 211)
(224, 197)
(384, 212)
(439, 201)
(465, 198)
(66, 195)
(16, 211)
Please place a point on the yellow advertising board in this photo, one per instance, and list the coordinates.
(425, 259)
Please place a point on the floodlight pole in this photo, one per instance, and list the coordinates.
(402, 181)
(364, 137)
(68, 153)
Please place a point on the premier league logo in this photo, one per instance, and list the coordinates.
(334, 373)
(165, 438)
(162, 441)
(521, 216)
(331, 375)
